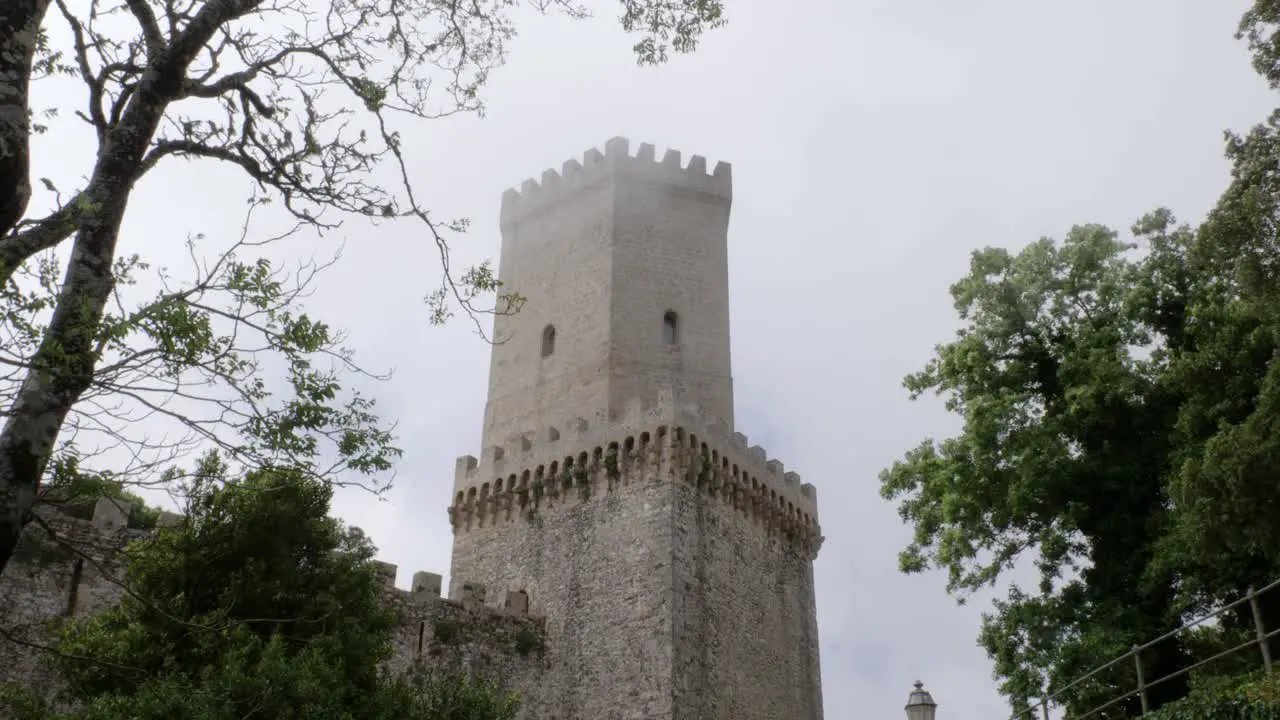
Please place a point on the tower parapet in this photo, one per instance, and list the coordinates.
(555, 464)
(536, 196)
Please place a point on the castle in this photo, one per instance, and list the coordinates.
(620, 551)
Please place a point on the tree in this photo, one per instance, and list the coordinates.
(258, 604)
(1224, 536)
(1120, 427)
(1120, 406)
(1063, 452)
(300, 98)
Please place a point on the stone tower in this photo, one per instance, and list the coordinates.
(672, 560)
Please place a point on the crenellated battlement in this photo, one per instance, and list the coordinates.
(426, 587)
(596, 166)
(557, 464)
(107, 530)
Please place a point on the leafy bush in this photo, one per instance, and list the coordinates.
(446, 630)
(76, 492)
(260, 605)
(1248, 697)
(527, 641)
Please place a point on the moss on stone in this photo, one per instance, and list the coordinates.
(446, 630)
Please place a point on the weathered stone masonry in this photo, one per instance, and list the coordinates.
(620, 551)
(45, 580)
(666, 568)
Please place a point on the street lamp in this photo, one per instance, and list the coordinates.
(920, 704)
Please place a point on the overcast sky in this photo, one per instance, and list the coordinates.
(875, 143)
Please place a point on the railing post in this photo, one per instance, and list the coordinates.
(1142, 681)
(1044, 707)
(1261, 629)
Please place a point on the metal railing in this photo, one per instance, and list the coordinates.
(1261, 638)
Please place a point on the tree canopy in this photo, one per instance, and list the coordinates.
(258, 604)
(1121, 431)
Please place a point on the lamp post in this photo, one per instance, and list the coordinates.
(920, 704)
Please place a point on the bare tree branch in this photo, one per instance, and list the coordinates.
(156, 44)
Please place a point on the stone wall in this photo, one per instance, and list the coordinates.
(47, 581)
(746, 636)
(673, 565)
(596, 563)
(502, 643)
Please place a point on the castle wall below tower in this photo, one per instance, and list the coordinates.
(71, 572)
(78, 569)
(672, 560)
(600, 571)
(746, 636)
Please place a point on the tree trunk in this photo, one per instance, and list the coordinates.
(62, 369)
(63, 366)
(19, 25)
